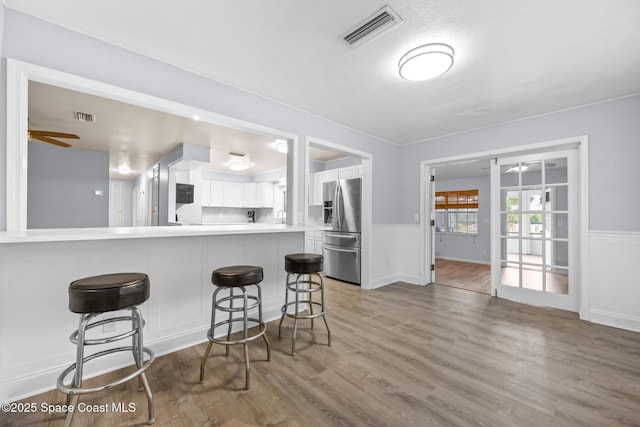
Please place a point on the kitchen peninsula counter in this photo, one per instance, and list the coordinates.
(36, 267)
(108, 233)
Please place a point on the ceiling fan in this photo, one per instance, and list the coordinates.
(45, 136)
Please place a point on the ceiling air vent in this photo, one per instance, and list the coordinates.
(85, 117)
(381, 21)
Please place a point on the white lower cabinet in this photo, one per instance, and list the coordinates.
(317, 244)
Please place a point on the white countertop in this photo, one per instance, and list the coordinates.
(109, 233)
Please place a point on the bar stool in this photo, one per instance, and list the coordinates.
(297, 267)
(91, 297)
(228, 279)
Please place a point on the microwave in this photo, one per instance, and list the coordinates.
(184, 193)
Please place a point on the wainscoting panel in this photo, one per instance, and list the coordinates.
(614, 282)
(395, 254)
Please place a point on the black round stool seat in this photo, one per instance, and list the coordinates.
(303, 263)
(108, 292)
(237, 275)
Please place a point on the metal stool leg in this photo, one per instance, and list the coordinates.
(245, 327)
(246, 303)
(284, 307)
(139, 352)
(324, 309)
(262, 325)
(72, 398)
(226, 351)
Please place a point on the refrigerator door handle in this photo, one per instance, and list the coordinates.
(353, 251)
(336, 207)
(341, 236)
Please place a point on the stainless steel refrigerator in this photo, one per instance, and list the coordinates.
(342, 201)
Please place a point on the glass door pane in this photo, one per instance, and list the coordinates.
(533, 198)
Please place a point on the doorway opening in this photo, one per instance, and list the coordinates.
(358, 165)
(537, 224)
(462, 228)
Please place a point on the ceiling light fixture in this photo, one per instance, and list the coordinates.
(518, 168)
(426, 62)
(124, 170)
(238, 162)
(282, 145)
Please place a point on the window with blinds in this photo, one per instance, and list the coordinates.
(457, 211)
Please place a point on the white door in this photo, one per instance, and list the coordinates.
(534, 245)
(115, 204)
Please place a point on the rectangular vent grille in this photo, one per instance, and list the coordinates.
(381, 21)
(85, 117)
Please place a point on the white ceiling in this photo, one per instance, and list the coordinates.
(513, 59)
(139, 137)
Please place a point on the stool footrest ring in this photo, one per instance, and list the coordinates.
(304, 316)
(81, 390)
(263, 330)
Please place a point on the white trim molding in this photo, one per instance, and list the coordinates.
(18, 76)
(581, 143)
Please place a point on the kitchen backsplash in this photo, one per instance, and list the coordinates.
(234, 215)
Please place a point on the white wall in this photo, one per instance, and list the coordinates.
(62, 183)
(34, 41)
(614, 149)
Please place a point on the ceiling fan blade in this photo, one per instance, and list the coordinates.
(50, 140)
(54, 134)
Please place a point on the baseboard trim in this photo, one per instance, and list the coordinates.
(615, 320)
(471, 261)
(44, 381)
(388, 279)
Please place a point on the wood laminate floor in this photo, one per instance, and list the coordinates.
(464, 275)
(401, 355)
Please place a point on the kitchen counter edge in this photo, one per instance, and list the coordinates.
(108, 233)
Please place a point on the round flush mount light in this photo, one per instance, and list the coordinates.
(282, 145)
(238, 162)
(124, 170)
(426, 62)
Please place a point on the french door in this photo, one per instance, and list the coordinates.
(534, 242)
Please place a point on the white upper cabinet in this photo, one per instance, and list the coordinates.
(233, 194)
(319, 178)
(211, 193)
(217, 193)
(230, 194)
(249, 194)
(347, 172)
(331, 175)
(264, 195)
(205, 192)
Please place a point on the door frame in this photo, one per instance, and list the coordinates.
(367, 199)
(580, 142)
